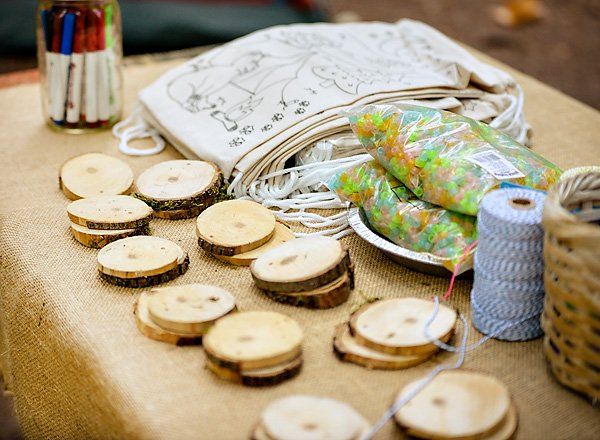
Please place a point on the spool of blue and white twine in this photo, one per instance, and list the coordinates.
(508, 289)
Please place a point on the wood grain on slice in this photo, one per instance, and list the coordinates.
(189, 309)
(98, 238)
(234, 227)
(148, 328)
(347, 349)
(395, 326)
(149, 281)
(179, 214)
(455, 404)
(178, 180)
(311, 418)
(281, 234)
(330, 295)
(258, 377)
(300, 265)
(110, 212)
(139, 256)
(94, 174)
(252, 340)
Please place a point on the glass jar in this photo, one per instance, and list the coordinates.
(79, 57)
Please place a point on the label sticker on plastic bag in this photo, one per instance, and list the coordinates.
(495, 164)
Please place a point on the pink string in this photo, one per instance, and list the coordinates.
(456, 269)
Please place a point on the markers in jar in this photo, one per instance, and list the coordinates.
(79, 60)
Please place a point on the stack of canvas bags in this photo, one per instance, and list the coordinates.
(255, 103)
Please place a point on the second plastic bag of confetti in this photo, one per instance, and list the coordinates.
(396, 213)
(445, 158)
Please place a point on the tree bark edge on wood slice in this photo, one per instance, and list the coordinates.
(178, 214)
(253, 340)
(139, 256)
(156, 175)
(227, 251)
(260, 377)
(98, 241)
(195, 204)
(376, 360)
(328, 276)
(325, 297)
(149, 281)
(110, 212)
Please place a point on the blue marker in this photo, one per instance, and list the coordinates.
(60, 81)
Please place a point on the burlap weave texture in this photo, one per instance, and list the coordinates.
(80, 369)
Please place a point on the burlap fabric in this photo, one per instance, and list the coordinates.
(80, 369)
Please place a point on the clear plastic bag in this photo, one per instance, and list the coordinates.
(444, 158)
(396, 213)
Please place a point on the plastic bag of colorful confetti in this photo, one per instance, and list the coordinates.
(445, 158)
(396, 213)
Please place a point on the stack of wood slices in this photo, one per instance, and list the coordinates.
(389, 334)
(94, 174)
(179, 189)
(255, 348)
(141, 261)
(97, 221)
(181, 315)
(310, 417)
(238, 231)
(458, 404)
(313, 272)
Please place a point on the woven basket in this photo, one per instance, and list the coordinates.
(571, 318)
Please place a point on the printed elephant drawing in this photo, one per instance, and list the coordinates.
(232, 92)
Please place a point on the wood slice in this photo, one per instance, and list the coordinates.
(139, 256)
(325, 297)
(189, 309)
(149, 281)
(153, 331)
(252, 340)
(281, 234)
(395, 326)
(347, 349)
(311, 417)
(300, 265)
(456, 404)
(259, 377)
(234, 227)
(175, 180)
(94, 174)
(98, 238)
(179, 214)
(110, 212)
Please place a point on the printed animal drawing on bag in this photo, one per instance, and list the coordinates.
(232, 91)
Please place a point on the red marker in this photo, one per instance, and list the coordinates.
(91, 68)
(76, 70)
(103, 74)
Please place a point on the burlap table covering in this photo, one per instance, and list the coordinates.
(80, 369)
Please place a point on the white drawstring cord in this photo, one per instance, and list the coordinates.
(135, 127)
